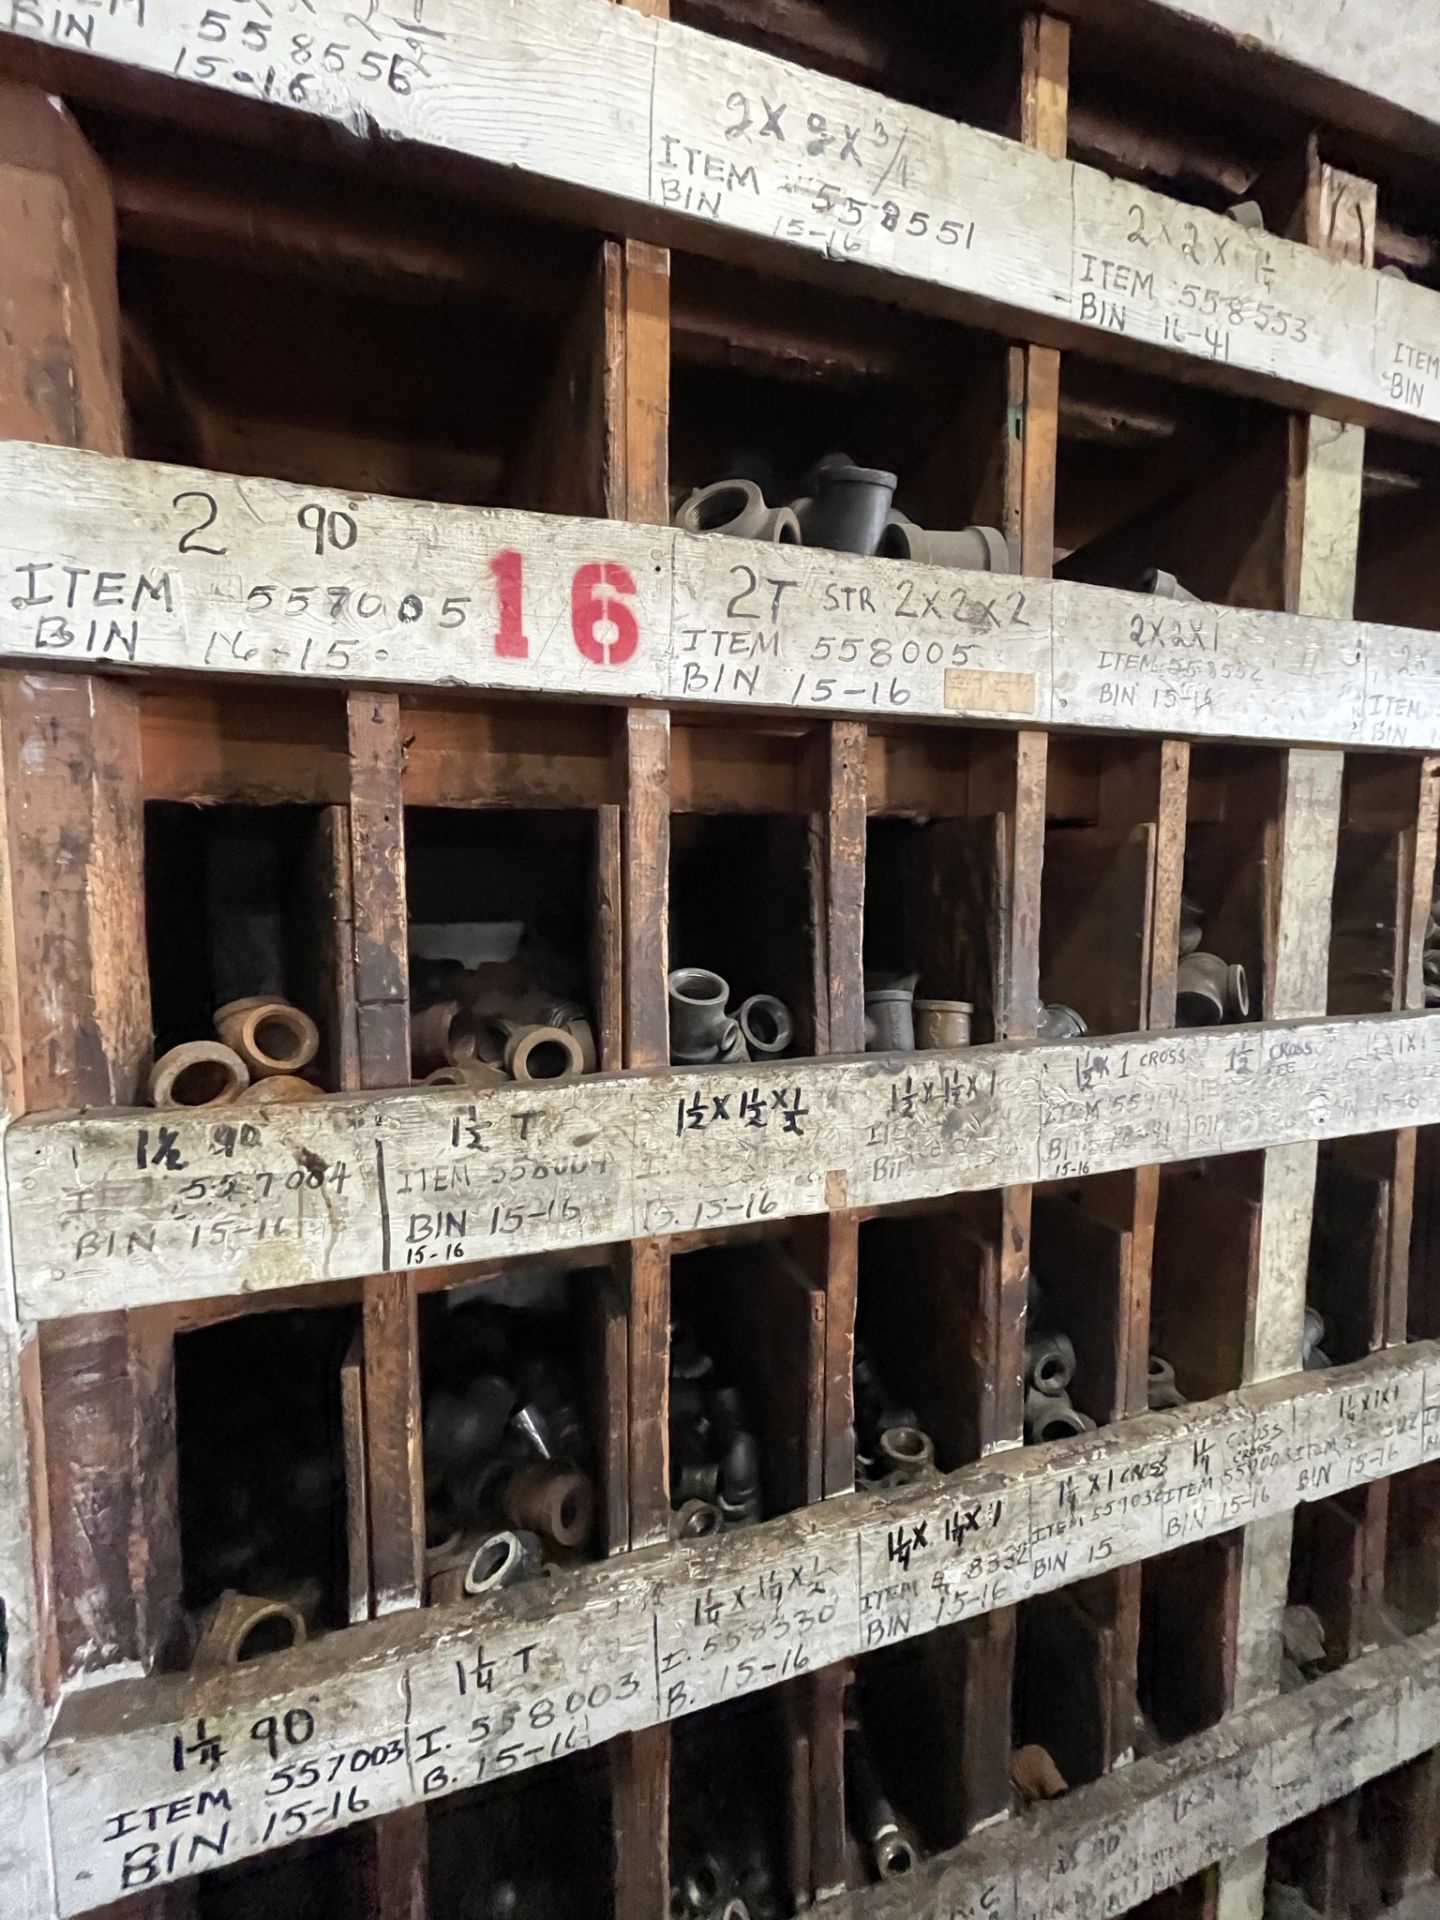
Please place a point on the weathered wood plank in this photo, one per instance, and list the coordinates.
(92, 575)
(131, 1209)
(680, 136)
(443, 1698)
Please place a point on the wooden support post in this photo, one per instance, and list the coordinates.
(378, 1001)
(76, 1005)
(1322, 529)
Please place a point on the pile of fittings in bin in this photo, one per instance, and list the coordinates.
(505, 1020)
(890, 1851)
(1049, 1375)
(704, 1029)
(714, 1455)
(1207, 988)
(896, 1021)
(262, 1493)
(261, 1047)
(509, 1487)
(892, 1449)
(844, 508)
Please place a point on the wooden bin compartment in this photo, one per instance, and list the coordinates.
(1231, 874)
(1114, 828)
(768, 377)
(512, 1367)
(1384, 881)
(266, 1439)
(1206, 1271)
(541, 1842)
(1189, 1610)
(926, 1323)
(739, 1806)
(938, 848)
(1089, 1286)
(747, 1322)
(1400, 512)
(277, 322)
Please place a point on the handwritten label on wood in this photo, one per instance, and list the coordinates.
(126, 565)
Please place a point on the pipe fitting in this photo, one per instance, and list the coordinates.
(848, 509)
(242, 1626)
(555, 1502)
(694, 1520)
(1209, 990)
(476, 1075)
(502, 1559)
(270, 1036)
(737, 508)
(1049, 1362)
(890, 1019)
(279, 1090)
(765, 1025)
(942, 1024)
(542, 1053)
(698, 1020)
(199, 1073)
(906, 1450)
(699, 1480)
(733, 1050)
(975, 549)
(871, 1812)
(1035, 1776)
(1059, 1022)
(1050, 1416)
(739, 1498)
(440, 1036)
(1190, 925)
(1163, 585)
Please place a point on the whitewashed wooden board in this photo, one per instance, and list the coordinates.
(133, 1208)
(722, 145)
(437, 1701)
(122, 565)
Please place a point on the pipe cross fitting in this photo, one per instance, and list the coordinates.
(270, 1035)
(737, 508)
(765, 1025)
(698, 1021)
(198, 1073)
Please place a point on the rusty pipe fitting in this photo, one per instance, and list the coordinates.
(542, 1053)
(1209, 990)
(694, 1520)
(270, 1036)
(1035, 1776)
(975, 549)
(765, 1025)
(198, 1073)
(737, 508)
(1049, 1362)
(558, 1503)
(699, 1025)
(279, 1090)
(848, 508)
(906, 1449)
(477, 1074)
(941, 1024)
(440, 1036)
(1050, 1416)
(242, 1626)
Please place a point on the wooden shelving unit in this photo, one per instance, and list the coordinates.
(351, 369)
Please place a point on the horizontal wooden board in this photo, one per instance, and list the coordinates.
(128, 1209)
(1111, 1845)
(125, 565)
(156, 1779)
(713, 146)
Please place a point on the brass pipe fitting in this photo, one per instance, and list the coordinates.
(941, 1024)
(440, 1036)
(269, 1035)
(199, 1073)
(242, 1626)
(1035, 1776)
(477, 1074)
(543, 1053)
(279, 1090)
(555, 1502)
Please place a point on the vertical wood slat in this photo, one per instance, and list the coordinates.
(396, 1858)
(637, 388)
(1321, 542)
(76, 997)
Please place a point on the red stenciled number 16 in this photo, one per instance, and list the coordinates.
(603, 624)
